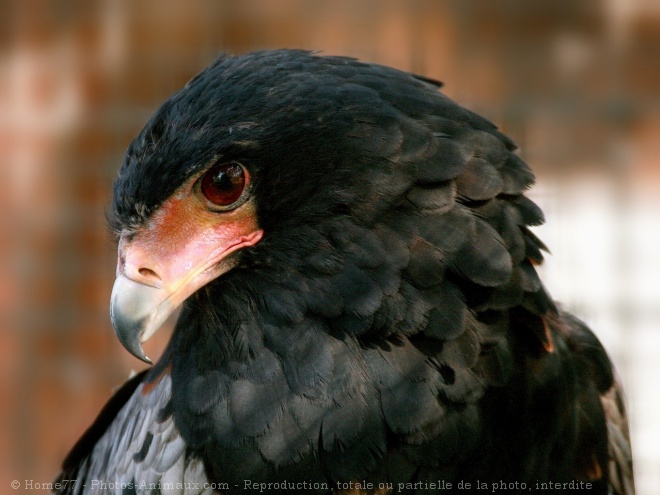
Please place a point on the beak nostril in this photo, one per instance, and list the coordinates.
(148, 273)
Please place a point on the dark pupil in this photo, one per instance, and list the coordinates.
(225, 180)
(223, 184)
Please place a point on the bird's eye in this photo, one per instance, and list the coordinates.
(224, 183)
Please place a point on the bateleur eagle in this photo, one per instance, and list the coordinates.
(360, 308)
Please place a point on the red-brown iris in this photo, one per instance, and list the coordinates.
(224, 183)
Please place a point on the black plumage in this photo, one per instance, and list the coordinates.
(389, 326)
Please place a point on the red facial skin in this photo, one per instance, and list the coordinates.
(185, 244)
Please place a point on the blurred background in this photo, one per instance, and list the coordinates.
(576, 83)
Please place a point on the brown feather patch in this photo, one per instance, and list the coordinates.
(594, 471)
(548, 343)
(150, 385)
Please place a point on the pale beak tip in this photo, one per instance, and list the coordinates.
(131, 309)
(128, 333)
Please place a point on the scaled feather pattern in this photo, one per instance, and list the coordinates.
(389, 327)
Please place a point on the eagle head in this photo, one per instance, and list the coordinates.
(283, 164)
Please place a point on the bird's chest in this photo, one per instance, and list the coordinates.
(284, 408)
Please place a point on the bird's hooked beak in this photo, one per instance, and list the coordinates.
(182, 248)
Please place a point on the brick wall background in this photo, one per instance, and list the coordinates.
(576, 83)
